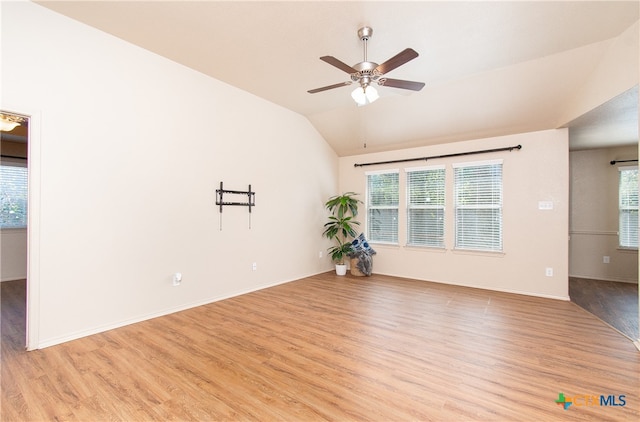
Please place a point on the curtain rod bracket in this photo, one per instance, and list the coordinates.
(613, 162)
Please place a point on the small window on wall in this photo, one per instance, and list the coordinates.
(628, 207)
(382, 206)
(425, 206)
(13, 194)
(478, 206)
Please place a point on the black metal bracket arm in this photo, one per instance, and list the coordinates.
(251, 197)
(614, 162)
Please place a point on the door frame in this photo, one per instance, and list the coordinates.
(33, 223)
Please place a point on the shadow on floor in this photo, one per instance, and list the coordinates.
(614, 303)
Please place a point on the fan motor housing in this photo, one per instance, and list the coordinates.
(366, 73)
(365, 67)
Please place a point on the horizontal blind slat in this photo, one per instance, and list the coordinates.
(628, 207)
(425, 207)
(382, 206)
(478, 207)
(13, 196)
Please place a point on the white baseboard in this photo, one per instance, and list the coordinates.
(517, 292)
(617, 280)
(99, 329)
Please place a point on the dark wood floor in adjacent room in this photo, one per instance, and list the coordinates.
(329, 348)
(613, 302)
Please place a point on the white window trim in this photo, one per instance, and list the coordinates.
(374, 172)
(621, 247)
(477, 163)
(17, 162)
(424, 168)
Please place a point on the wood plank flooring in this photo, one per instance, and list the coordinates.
(614, 303)
(330, 348)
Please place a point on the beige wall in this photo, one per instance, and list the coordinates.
(13, 254)
(594, 216)
(126, 152)
(13, 149)
(533, 239)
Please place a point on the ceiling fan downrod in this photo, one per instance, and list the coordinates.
(364, 34)
(366, 70)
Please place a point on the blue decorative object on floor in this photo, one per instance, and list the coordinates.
(360, 244)
(363, 253)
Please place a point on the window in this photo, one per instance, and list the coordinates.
(425, 207)
(382, 206)
(13, 195)
(478, 206)
(628, 207)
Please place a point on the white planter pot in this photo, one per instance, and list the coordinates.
(341, 269)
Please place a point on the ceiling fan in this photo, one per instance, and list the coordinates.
(367, 73)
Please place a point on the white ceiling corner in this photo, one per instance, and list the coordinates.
(490, 68)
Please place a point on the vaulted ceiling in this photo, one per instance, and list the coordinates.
(490, 68)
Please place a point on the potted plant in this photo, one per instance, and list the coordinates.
(341, 227)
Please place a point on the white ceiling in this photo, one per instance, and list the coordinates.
(490, 68)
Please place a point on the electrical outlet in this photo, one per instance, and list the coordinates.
(548, 272)
(320, 254)
(254, 266)
(606, 259)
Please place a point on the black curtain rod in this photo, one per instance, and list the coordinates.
(12, 156)
(458, 154)
(622, 161)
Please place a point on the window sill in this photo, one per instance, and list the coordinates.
(479, 253)
(13, 229)
(385, 244)
(622, 249)
(425, 248)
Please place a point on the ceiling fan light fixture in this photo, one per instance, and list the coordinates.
(367, 72)
(8, 122)
(365, 95)
(371, 93)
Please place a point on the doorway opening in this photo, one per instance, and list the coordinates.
(603, 245)
(14, 228)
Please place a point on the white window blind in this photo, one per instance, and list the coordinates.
(382, 206)
(628, 207)
(478, 206)
(13, 195)
(425, 206)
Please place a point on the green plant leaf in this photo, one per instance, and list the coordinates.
(341, 224)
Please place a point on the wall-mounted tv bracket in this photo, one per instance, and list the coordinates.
(250, 202)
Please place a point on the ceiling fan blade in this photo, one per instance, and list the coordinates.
(397, 60)
(325, 88)
(337, 63)
(398, 83)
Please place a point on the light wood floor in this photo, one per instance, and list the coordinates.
(330, 348)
